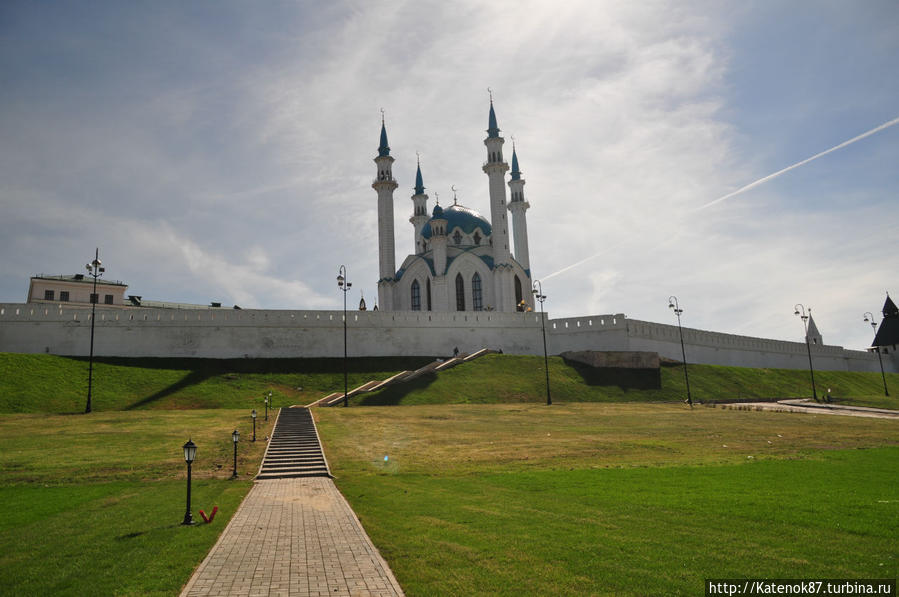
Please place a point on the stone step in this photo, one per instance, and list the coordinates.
(294, 466)
(292, 475)
(294, 449)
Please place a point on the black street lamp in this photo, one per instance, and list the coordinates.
(869, 317)
(190, 453)
(799, 310)
(266, 405)
(95, 271)
(537, 291)
(253, 414)
(235, 437)
(344, 285)
(673, 304)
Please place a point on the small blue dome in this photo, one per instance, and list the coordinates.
(457, 216)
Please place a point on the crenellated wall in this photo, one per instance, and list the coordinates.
(226, 333)
(616, 332)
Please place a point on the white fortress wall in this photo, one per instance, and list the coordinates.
(226, 333)
(616, 332)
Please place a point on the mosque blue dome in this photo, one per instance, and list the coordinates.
(458, 216)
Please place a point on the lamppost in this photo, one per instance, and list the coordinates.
(799, 310)
(537, 291)
(235, 437)
(253, 414)
(344, 285)
(95, 271)
(869, 317)
(266, 404)
(190, 453)
(673, 304)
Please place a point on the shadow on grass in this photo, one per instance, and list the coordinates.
(192, 378)
(393, 395)
(212, 367)
(626, 379)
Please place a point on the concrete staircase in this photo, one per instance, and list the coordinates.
(336, 398)
(294, 449)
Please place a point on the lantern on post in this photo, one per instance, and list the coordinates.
(235, 437)
(190, 453)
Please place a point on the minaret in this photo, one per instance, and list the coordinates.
(419, 211)
(518, 206)
(495, 169)
(438, 241)
(384, 184)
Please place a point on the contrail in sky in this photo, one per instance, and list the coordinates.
(751, 185)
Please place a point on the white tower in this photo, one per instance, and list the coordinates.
(438, 241)
(419, 212)
(495, 169)
(518, 206)
(384, 184)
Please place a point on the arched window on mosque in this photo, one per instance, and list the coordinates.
(477, 301)
(460, 293)
(457, 238)
(518, 295)
(416, 296)
(477, 237)
(428, 286)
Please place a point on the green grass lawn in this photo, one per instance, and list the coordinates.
(49, 383)
(518, 378)
(623, 499)
(93, 504)
(618, 488)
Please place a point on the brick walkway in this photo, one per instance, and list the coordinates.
(293, 537)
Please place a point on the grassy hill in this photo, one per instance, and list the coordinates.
(49, 383)
(515, 378)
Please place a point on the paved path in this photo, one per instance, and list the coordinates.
(805, 405)
(293, 537)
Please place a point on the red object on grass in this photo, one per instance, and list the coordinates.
(209, 518)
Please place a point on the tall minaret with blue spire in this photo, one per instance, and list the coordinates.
(419, 211)
(384, 184)
(518, 206)
(495, 169)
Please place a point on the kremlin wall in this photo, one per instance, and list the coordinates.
(246, 333)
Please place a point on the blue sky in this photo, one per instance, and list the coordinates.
(221, 151)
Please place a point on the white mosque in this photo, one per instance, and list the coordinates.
(462, 262)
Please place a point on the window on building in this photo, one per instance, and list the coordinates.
(48, 295)
(518, 296)
(477, 237)
(457, 238)
(64, 296)
(460, 293)
(477, 301)
(428, 286)
(94, 298)
(416, 296)
(108, 299)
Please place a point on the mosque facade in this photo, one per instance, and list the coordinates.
(462, 260)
